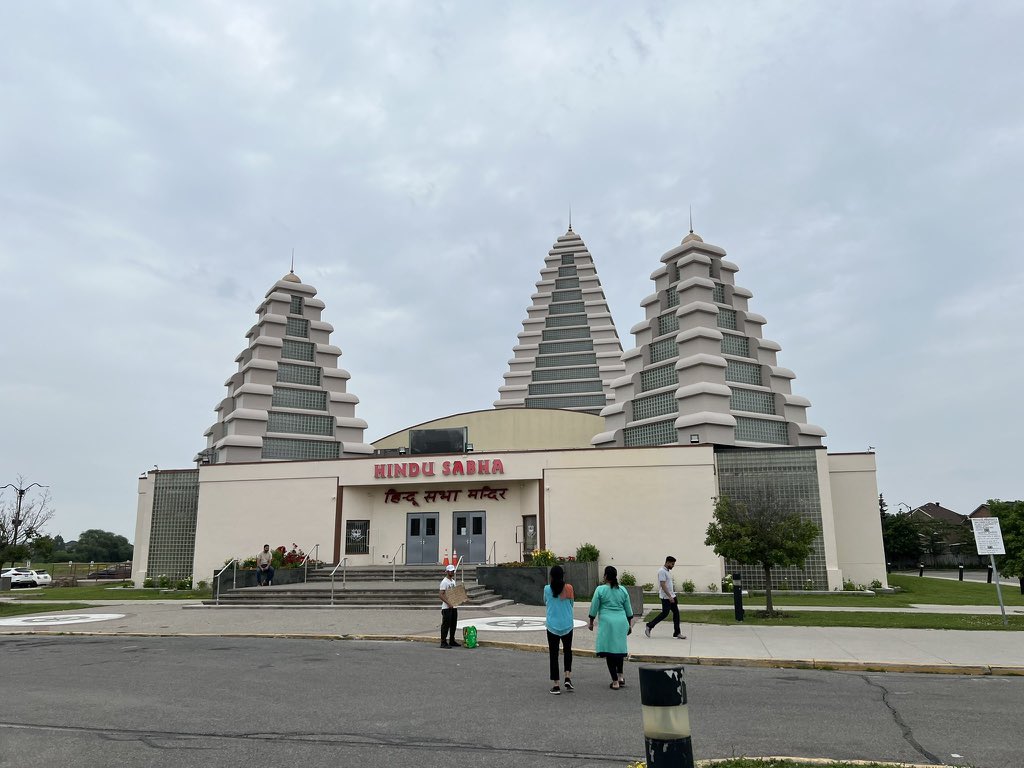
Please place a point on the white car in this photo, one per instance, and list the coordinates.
(27, 577)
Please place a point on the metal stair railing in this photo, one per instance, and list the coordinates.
(305, 561)
(395, 560)
(343, 564)
(233, 565)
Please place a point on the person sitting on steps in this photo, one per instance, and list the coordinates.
(265, 567)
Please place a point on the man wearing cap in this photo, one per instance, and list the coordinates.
(449, 613)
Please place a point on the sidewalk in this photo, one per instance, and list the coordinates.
(521, 627)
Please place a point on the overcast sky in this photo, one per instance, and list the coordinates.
(861, 162)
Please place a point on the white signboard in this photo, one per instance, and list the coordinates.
(987, 536)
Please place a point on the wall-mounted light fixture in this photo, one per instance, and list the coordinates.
(469, 447)
(694, 438)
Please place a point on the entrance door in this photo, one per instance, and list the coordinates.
(421, 538)
(529, 534)
(469, 536)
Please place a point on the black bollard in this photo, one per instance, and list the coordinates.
(989, 574)
(888, 567)
(737, 597)
(920, 569)
(961, 568)
(666, 718)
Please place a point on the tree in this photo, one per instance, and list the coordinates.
(102, 546)
(900, 538)
(35, 512)
(1011, 525)
(42, 549)
(761, 532)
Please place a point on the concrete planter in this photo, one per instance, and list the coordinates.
(246, 577)
(526, 585)
(636, 599)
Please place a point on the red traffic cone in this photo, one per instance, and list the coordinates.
(445, 561)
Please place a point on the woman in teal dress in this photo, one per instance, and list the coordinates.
(611, 603)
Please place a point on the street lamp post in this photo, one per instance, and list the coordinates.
(16, 522)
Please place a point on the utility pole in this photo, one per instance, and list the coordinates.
(16, 522)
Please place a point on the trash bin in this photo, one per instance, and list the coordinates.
(5, 583)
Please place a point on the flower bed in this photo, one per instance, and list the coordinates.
(525, 583)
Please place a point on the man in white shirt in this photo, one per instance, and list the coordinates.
(265, 566)
(449, 613)
(667, 593)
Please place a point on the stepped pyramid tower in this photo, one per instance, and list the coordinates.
(700, 371)
(288, 399)
(569, 351)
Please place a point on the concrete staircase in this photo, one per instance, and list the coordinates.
(372, 586)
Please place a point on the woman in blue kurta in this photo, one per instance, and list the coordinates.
(558, 597)
(611, 603)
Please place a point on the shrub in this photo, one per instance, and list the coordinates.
(648, 587)
(543, 557)
(202, 586)
(185, 583)
(849, 586)
(876, 584)
(587, 553)
(712, 587)
(688, 586)
(809, 584)
(148, 583)
(627, 579)
(164, 582)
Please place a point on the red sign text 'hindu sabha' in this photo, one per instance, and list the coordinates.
(433, 468)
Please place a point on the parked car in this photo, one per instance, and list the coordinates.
(26, 577)
(118, 571)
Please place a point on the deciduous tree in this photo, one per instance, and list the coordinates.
(1011, 525)
(36, 511)
(762, 531)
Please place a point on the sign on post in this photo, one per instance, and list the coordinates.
(989, 540)
(987, 536)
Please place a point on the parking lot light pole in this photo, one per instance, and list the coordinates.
(16, 522)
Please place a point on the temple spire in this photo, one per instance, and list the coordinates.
(570, 217)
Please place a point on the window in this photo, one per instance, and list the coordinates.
(567, 271)
(719, 293)
(752, 400)
(313, 400)
(562, 374)
(744, 373)
(668, 324)
(727, 318)
(289, 373)
(554, 322)
(568, 258)
(672, 297)
(576, 295)
(761, 431)
(297, 326)
(568, 307)
(571, 401)
(565, 333)
(656, 378)
(357, 537)
(172, 538)
(566, 387)
(286, 448)
(567, 282)
(735, 345)
(659, 433)
(663, 350)
(297, 350)
(300, 423)
(654, 405)
(555, 347)
(560, 361)
(296, 306)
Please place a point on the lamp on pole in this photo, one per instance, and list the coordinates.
(16, 522)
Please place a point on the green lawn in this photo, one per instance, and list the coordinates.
(913, 590)
(856, 619)
(13, 609)
(103, 592)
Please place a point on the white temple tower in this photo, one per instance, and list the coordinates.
(288, 399)
(700, 371)
(569, 351)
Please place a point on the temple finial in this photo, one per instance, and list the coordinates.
(691, 219)
(570, 217)
(293, 260)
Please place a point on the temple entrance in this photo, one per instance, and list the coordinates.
(469, 536)
(421, 538)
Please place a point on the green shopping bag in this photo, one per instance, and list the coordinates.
(469, 637)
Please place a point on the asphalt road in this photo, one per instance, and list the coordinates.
(203, 702)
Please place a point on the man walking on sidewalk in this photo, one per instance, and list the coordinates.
(667, 593)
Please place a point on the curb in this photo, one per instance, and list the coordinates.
(819, 761)
(693, 661)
